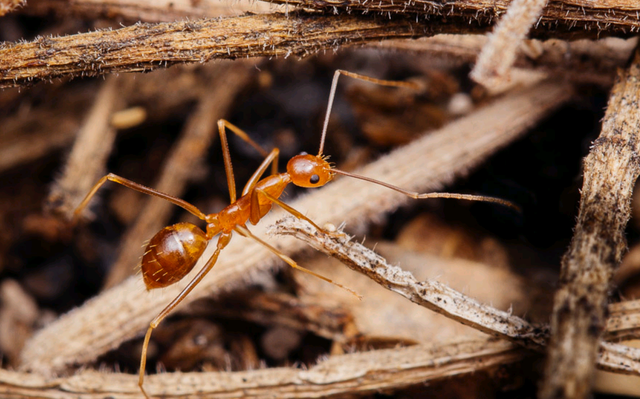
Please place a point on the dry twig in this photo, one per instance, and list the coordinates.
(144, 47)
(90, 151)
(624, 317)
(442, 299)
(146, 10)
(565, 18)
(429, 293)
(357, 373)
(583, 61)
(428, 163)
(610, 172)
(498, 55)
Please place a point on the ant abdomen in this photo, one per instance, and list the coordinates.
(171, 254)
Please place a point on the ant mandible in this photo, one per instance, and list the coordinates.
(173, 252)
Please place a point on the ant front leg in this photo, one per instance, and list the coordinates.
(226, 155)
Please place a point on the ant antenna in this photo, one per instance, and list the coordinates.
(332, 94)
(414, 195)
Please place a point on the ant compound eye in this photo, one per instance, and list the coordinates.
(314, 179)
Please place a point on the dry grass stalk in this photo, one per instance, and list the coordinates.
(196, 136)
(88, 157)
(430, 293)
(144, 47)
(610, 172)
(498, 55)
(383, 313)
(356, 373)
(6, 6)
(624, 317)
(18, 313)
(442, 299)
(426, 164)
(582, 61)
(565, 18)
(146, 10)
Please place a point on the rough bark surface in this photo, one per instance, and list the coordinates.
(610, 172)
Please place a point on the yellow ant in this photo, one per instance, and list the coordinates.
(173, 252)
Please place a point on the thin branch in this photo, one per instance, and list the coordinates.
(623, 321)
(146, 10)
(578, 61)
(431, 294)
(610, 172)
(356, 373)
(499, 54)
(426, 164)
(144, 47)
(569, 18)
(442, 299)
(92, 147)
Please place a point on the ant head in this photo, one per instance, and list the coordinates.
(309, 170)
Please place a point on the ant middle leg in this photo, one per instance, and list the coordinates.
(244, 231)
(297, 213)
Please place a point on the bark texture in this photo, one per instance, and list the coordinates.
(610, 172)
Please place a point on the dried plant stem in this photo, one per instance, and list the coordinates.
(146, 10)
(578, 61)
(192, 146)
(441, 298)
(88, 158)
(356, 373)
(144, 47)
(610, 172)
(623, 321)
(426, 164)
(566, 18)
(499, 54)
(6, 6)
(430, 293)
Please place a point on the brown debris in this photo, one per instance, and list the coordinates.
(18, 316)
(610, 172)
(145, 10)
(7, 6)
(383, 313)
(580, 61)
(566, 18)
(123, 311)
(442, 299)
(144, 47)
(498, 55)
(356, 373)
(88, 158)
